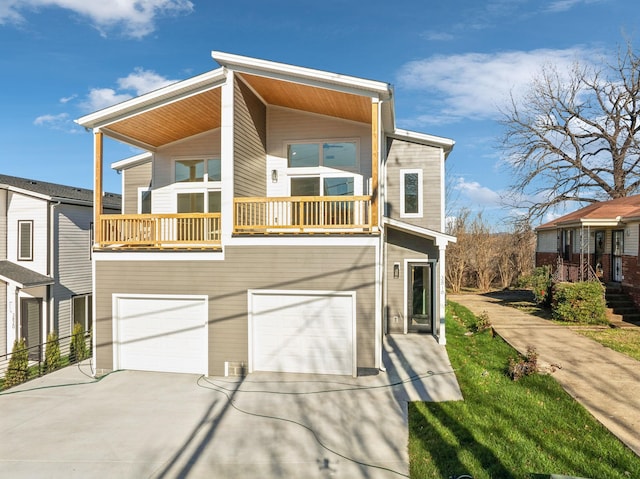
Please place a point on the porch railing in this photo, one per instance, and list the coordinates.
(302, 214)
(160, 230)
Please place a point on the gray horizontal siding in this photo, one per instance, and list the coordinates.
(72, 261)
(400, 246)
(134, 178)
(406, 155)
(226, 284)
(249, 143)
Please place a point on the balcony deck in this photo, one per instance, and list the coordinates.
(252, 216)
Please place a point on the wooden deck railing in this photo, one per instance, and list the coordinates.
(302, 214)
(160, 230)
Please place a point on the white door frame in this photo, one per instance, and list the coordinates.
(433, 291)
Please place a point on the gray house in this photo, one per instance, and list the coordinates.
(276, 221)
(45, 259)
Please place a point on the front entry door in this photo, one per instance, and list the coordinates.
(30, 325)
(419, 298)
(617, 249)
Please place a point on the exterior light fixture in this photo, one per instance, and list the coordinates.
(274, 176)
(396, 270)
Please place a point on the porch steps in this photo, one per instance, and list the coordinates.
(621, 310)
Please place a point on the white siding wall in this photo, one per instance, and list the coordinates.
(164, 193)
(22, 207)
(285, 125)
(73, 262)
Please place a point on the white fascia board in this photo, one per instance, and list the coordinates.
(165, 95)
(294, 73)
(431, 140)
(419, 230)
(132, 161)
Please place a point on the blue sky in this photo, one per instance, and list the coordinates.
(452, 65)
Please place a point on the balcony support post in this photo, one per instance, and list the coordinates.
(97, 187)
(375, 153)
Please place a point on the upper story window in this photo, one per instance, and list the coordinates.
(25, 240)
(144, 201)
(411, 193)
(198, 170)
(340, 154)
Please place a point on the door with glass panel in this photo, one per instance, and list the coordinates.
(419, 297)
(318, 212)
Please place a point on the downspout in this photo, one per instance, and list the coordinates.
(380, 278)
(51, 265)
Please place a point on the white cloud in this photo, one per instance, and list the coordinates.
(67, 99)
(60, 122)
(45, 120)
(480, 196)
(477, 85)
(139, 82)
(435, 36)
(99, 98)
(136, 18)
(143, 81)
(564, 5)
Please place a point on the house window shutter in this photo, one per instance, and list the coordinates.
(25, 240)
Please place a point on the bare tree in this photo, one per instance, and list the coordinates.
(574, 136)
(483, 253)
(458, 252)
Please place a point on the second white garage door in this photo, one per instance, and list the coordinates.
(167, 333)
(302, 332)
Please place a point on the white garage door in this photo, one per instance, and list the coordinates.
(303, 332)
(161, 334)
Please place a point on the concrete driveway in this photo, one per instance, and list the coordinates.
(134, 424)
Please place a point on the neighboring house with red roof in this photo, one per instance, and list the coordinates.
(602, 237)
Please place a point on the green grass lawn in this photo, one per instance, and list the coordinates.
(623, 340)
(507, 429)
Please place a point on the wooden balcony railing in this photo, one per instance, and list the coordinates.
(303, 214)
(160, 230)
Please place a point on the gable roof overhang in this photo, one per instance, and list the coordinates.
(446, 144)
(193, 106)
(440, 239)
(22, 277)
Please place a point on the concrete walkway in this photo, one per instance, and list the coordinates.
(605, 382)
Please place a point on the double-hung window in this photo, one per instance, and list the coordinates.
(25, 240)
(411, 193)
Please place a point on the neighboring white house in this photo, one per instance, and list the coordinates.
(45, 259)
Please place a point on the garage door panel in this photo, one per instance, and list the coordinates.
(305, 333)
(161, 334)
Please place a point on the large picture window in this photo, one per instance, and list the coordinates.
(25, 240)
(197, 170)
(340, 154)
(411, 193)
